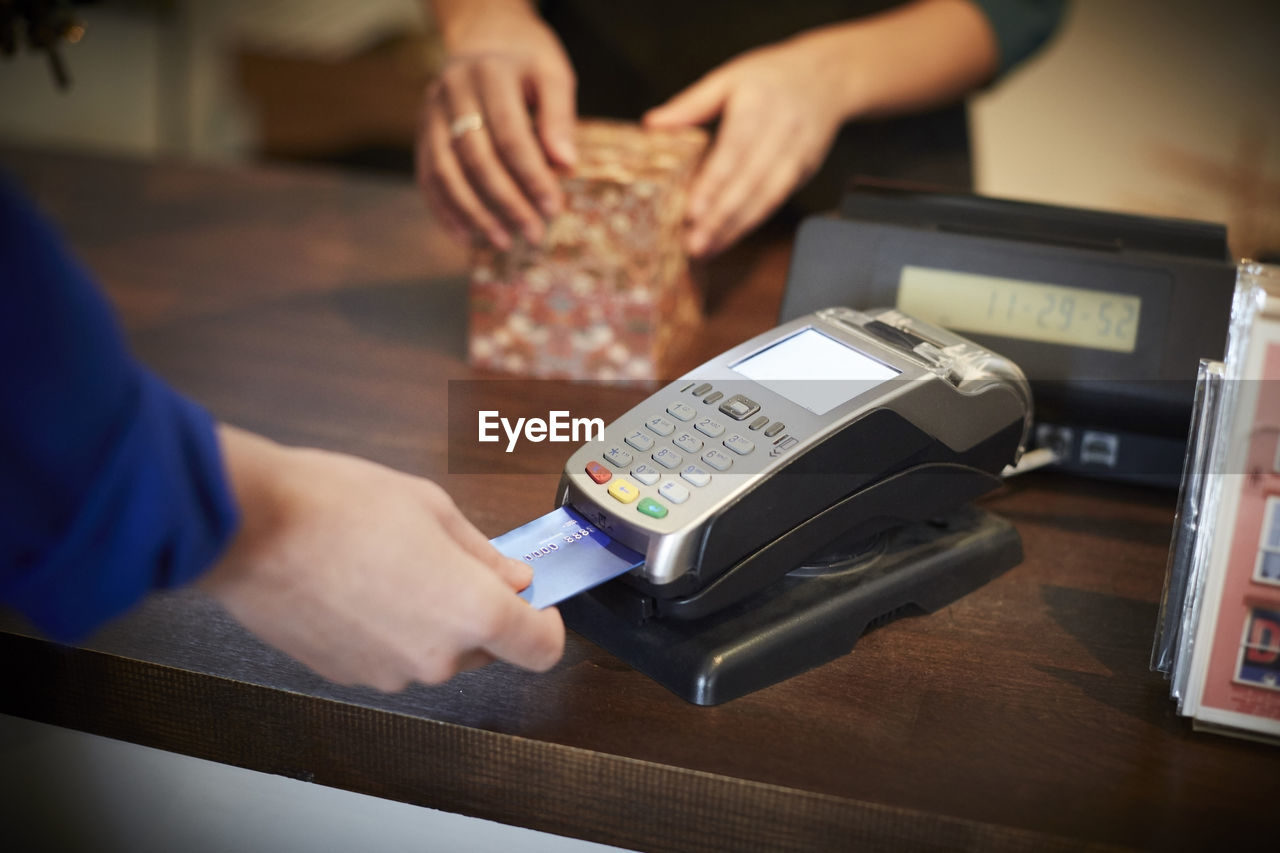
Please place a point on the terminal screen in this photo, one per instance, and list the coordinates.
(814, 371)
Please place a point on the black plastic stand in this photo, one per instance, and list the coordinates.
(811, 616)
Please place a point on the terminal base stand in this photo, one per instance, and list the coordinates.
(813, 615)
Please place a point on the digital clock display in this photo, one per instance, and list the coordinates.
(1026, 310)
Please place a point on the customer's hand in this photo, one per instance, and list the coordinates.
(778, 119)
(367, 575)
(497, 122)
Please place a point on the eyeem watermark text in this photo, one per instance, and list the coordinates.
(558, 426)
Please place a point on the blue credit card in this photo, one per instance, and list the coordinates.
(568, 553)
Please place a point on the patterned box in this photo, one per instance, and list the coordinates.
(607, 295)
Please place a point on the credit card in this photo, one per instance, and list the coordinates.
(569, 555)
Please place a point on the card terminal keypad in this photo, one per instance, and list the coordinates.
(671, 476)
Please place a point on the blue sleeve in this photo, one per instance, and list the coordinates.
(111, 483)
(1021, 26)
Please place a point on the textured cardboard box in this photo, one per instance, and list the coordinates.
(607, 295)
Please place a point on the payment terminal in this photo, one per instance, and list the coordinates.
(793, 490)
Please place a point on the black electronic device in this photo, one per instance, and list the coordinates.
(817, 440)
(807, 617)
(1107, 314)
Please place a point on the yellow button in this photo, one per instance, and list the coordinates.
(624, 491)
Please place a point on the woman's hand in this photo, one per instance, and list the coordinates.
(780, 106)
(777, 122)
(497, 123)
(367, 575)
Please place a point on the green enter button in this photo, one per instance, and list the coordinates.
(652, 508)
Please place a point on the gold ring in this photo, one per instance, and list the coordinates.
(464, 124)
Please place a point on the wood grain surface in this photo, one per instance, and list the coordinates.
(324, 309)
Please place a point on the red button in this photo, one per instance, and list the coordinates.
(598, 472)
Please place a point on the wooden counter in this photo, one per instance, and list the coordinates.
(324, 309)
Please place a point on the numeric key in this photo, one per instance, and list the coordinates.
(710, 427)
(688, 442)
(660, 425)
(683, 411)
(640, 441)
(668, 458)
(617, 457)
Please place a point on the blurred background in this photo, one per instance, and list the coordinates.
(1165, 107)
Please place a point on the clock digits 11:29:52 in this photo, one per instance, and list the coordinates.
(1026, 310)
